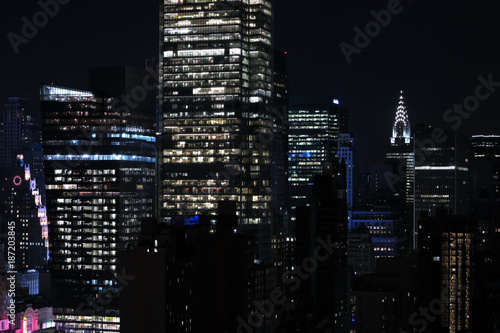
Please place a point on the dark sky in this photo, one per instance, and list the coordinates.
(433, 50)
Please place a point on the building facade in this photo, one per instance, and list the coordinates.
(441, 171)
(216, 87)
(100, 183)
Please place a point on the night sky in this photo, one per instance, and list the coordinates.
(433, 50)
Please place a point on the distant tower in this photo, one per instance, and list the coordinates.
(401, 153)
(345, 155)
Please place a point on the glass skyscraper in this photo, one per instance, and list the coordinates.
(100, 182)
(219, 120)
(315, 124)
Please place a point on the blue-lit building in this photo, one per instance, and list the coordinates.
(100, 182)
(385, 229)
(346, 155)
(315, 124)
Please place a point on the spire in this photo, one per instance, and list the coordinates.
(401, 128)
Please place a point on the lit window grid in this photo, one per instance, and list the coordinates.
(199, 62)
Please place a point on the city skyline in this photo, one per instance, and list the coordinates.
(427, 50)
(249, 166)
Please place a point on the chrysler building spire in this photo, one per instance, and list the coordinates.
(401, 128)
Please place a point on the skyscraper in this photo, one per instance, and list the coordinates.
(401, 153)
(315, 124)
(345, 154)
(441, 171)
(217, 101)
(100, 182)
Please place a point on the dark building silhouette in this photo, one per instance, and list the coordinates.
(321, 274)
(484, 173)
(204, 276)
(385, 300)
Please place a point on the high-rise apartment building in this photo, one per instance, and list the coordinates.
(315, 124)
(100, 182)
(216, 92)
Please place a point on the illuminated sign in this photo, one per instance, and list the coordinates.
(27, 173)
(192, 220)
(33, 184)
(17, 180)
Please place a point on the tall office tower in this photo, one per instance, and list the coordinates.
(18, 124)
(315, 124)
(100, 182)
(216, 87)
(401, 154)
(441, 171)
(322, 293)
(345, 154)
